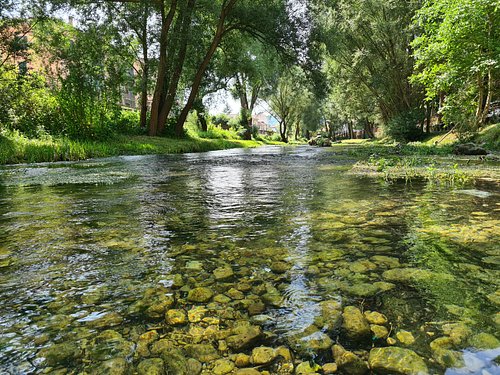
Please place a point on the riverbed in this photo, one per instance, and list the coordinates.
(187, 263)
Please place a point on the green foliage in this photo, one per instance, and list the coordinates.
(221, 120)
(458, 54)
(128, 123)
(364, 47)
(405, 126)
(27, 104)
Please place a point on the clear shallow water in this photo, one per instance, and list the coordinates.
(81, 244)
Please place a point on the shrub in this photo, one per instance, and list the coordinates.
(129, 123)
(405, 126)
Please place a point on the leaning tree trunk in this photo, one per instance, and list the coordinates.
(162, 65)
(178, 67)
(179, 128)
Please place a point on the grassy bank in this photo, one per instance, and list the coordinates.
(16, 148)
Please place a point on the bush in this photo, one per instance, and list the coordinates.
(405, 126)
(129, 123)
(28, 105)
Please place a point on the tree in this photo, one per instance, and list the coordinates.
(289, 98)
(134, 21)
(367, 45)
(458, 57)
(249, 63)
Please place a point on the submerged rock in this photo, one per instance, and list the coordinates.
(280, 267)
(110, 344)
(115, 366)
(151, 366)
(484, 341)
(202, 352)
(306, 368)
(175, 362)
(330, 317)
(108, 320)
(194, 367)
(247, 371)
(223, 366)
(242, 360)
(223, 273)
(200, 295)
(354, 324)
(316, 341)
(262, 355)
(243, 336)
(176, 317)
(329, 368)
(60, 354)
(379, 332)
(374, 317)
(405, 337)
(144, 341)
(348, 362)
(396, 361)
(408, 275)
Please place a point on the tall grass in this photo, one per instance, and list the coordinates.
(17, 148)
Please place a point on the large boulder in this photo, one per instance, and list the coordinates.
(396, 361)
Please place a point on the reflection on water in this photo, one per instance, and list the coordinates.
(94, 254)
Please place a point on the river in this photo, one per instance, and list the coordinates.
(278, 240)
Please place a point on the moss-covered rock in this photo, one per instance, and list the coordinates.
(355, 325)
(200, 295)
(60, 354)
(115, 366)
(223, 273)
(243, 335)
(151, 366)
(202, 352)
(222, 367)
(262, 355)
(396, 361)
(374, 317)
(176, 317)
(484, 340)
(349, 362)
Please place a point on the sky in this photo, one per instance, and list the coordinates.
(222, 101)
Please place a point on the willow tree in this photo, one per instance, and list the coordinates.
(370, 43)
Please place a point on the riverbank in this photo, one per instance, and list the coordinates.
(16, 148)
